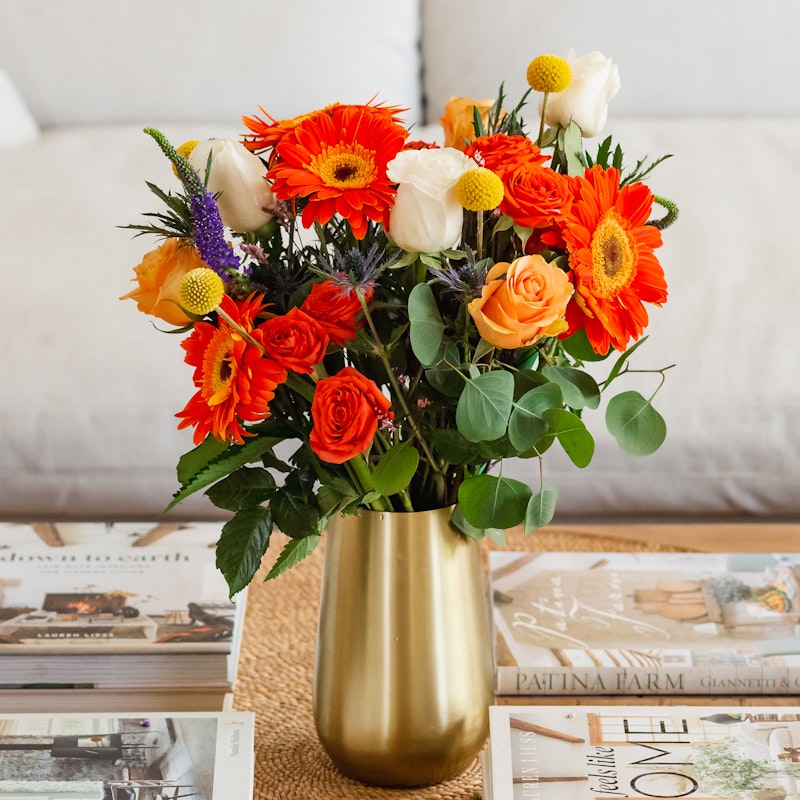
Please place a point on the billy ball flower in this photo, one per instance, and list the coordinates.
(549, 73)
(479, 189)
(201, 291)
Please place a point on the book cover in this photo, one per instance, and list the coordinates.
(205, 756)
(645, 623)
(95, 591)
(604, 752)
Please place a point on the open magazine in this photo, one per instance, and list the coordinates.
(202, 755)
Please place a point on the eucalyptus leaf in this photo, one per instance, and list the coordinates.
(426, 324)
(579, 389)
(242, 545)
(540, 511)
(572, 435)
(394, 471)
(491, 501)
(638, 428)
(485, 406)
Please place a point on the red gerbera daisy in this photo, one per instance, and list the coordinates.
(337, 160)
(611, 255)
(235, 380)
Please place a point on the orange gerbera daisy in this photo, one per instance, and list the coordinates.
(611, 255)
(337, 160)
(235, 380)
(502, 153)
(267, 133)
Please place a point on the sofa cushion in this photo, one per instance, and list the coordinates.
(90, 61)
(17, 125)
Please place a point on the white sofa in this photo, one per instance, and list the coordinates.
(89, 388)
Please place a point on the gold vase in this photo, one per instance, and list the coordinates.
(403, 673)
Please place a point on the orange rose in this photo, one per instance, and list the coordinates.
(346, 410)
(522, 302)
(458, 118)
(335, 308)
(159, 276)
(295, 340)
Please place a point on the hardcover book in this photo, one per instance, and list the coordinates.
(594, 752)
(587, 624)
(206, 755)
(93, 606)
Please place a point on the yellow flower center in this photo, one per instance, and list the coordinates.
(345, 166)
(201, 291)
(614, 256)
(219, 367)
(549, 74)
(479, 190)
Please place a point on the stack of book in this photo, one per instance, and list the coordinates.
(640, 624)
(644, 675)
(115, 617)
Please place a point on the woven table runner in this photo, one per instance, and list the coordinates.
(275, 673)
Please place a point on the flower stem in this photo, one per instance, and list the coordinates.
(364, 477)
(479, 233)
(541, 121)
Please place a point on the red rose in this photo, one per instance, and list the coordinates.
(335, 307)
(346, 410)
(295, 340)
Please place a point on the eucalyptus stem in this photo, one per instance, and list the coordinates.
(380, 350)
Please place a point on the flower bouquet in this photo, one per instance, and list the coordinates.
(377, 322)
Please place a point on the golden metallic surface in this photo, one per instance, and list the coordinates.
(403, 673)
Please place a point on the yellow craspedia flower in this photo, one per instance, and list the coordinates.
(201, 291)
(186, 150)
(549, 74)
(479, 189)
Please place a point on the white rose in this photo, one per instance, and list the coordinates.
(426, 217)
(239, 176)
(595, 80)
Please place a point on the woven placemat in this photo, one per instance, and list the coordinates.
(275, 673)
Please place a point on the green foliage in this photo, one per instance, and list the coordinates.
(636, 425)
(241, 546)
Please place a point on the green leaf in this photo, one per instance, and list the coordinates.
(242, 545)
(454, 448)
(620, 362)
(540, 511)
(457, 518)
(527, 426)
(571, 142)
(572, 435)
(196, 460)
(231, 459)
(294, 551)
(485, 406)
(444, 376)
(489, 501)
(638, 428)
(579, 389)
(294, 515)
(394, 471)
(579, 347)
(426, 324)
(245, 488)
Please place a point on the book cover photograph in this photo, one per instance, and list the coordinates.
(205, 756)
(598, 753)
(102, 594)
(645, 623)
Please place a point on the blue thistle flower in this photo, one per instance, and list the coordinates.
(209, 233)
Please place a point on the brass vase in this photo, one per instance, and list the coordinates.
(403, 673)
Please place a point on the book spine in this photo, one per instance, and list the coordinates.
(700, 680)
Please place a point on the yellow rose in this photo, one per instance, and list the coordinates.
(522, 302)
(159, 277)
(458, 118)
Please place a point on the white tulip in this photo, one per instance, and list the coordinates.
(426, 216)
(595, 80)
(239, 176)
